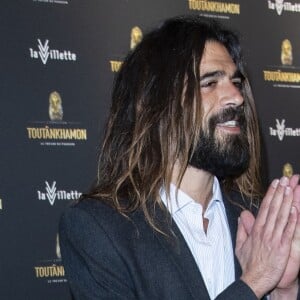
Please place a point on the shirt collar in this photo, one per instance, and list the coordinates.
(176, 204)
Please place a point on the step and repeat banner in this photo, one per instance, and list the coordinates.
(58, 60)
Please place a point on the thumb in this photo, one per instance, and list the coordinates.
(248, 220)
(241, 235)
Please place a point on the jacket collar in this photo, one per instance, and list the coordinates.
(179, 252)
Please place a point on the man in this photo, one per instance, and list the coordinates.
(169, 216)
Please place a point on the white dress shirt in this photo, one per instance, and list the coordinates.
(212, 251)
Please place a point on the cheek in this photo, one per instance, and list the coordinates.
(209, 107)
(207, 116)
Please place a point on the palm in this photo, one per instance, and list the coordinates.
(292, 268)
(291, 272)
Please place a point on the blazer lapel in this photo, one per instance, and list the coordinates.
(233, 207)
(179, 252)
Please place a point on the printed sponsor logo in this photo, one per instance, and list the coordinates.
(224, 9)
(52, 194)
(280, 6)
(115, 65)
(284, 75)
(45, 53)
(286, 53)
(56, 132)
(63, 2)
(47, 133)
(53, 273)
(55, 107)
(281, 76)
(287, 170)
(51, 270)
(136, 35)
(282, 130)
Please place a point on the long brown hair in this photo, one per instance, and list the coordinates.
(156, 116)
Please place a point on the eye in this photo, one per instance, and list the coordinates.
(238, 82)
(208, 83)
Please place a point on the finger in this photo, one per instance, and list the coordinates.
(296, 238)
(284, 214)
(294, 180)
(241, 235)
(264, 207)
(248, 220)
(296, 200)
(289, 231)
(275, 206)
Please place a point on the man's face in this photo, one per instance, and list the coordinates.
(223, 148)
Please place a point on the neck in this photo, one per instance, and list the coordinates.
(195, 183)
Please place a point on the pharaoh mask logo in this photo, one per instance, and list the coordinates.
(280, 129)
(288, 170)
(55, 107)
(135, 37)
(57, 248)
(286, 53)
(279, 6)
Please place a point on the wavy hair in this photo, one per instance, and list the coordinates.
(156, 116)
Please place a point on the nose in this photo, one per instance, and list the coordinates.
(231, 95)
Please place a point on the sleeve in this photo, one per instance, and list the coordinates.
(237, 290)
(93, 265)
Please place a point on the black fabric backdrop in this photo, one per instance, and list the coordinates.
(72, 47)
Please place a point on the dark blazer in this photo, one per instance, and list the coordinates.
(109, 256)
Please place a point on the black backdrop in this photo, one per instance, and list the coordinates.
(68, 51)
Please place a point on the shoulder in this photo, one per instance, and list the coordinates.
(95, 229)
(95, 245)
(88, 214)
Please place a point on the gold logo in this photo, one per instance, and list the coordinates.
(286, 53)
(55, 107)
(135, 37)
(115, 65)
(287, 170)
(214, 6)
(50, 271)
(57, 248)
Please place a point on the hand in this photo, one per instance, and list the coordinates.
(264, 245)
(288, 284)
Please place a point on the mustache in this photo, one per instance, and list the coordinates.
(228, 114)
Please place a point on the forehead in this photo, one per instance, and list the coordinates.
(216, 58)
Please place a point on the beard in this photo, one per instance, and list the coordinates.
(223, 154)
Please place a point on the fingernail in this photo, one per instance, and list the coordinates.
(275, 183)
(284, 181)
(287, 190)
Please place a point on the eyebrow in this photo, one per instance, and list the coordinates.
(212, 74)
(236, 74)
